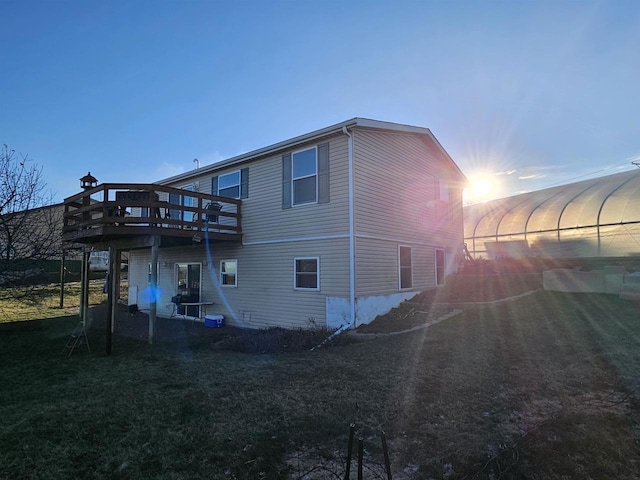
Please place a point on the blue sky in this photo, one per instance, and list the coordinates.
(526, 94)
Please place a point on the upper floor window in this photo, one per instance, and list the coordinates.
(185, 201)
(305, 176)
(233, 184)
(442, 203)
(188, 201)
(229, 184)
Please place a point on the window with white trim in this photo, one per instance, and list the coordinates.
(405, 268)
(229, 184)
(304, 176)
(149, 272)
(188, 201)
(443, 199)
(440, 266)
(229, 273)
(306, 273)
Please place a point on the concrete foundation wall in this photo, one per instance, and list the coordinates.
(576, 281)
(368, 308)
(561, 280)
(631, 288)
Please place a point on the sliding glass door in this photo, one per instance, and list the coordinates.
(188, 280)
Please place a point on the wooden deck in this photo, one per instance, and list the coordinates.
(132, 214)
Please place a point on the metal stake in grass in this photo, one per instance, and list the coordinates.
(385, 451)
(352, 429)
(360, 457)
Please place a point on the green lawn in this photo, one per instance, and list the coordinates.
(543, 387)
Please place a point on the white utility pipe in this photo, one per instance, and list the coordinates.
(352, 246)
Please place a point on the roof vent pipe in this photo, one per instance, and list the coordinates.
(197, 162)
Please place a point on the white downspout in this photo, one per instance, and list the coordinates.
(352, 249)
(352, 245)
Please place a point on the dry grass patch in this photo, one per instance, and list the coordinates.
(544, 387)
(43, 301)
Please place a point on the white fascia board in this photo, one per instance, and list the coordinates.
(309, 137)
(262, 152)
(398, 127)
(394, 127)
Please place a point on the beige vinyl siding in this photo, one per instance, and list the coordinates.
(265, 295)
(396, 183)
(378, 263)
(263, 217)
(138, 275)
(395, 177)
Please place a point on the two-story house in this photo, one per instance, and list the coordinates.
(337, 226)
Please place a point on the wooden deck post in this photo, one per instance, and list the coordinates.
(114, 285)
(84, 286)
(81, 310)
(62, 279)
(118, 276)
(110, 298)
(153, 305)
(87, 271)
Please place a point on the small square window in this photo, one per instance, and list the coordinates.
(229, 273)
(307, 273)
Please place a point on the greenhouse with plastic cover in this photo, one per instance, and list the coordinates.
(596, 218)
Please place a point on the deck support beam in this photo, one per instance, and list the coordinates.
(153, 305)
(62, 278)
(113, 290)
(84, 287)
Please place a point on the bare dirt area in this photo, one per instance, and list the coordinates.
(136, 326)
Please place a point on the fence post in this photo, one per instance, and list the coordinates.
(352, 428)
(62, 280)
(360, 457)
(385, 451)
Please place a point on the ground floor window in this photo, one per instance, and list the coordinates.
(306, 273)
(440, 266)
(405, 273)
(149, 271)
(229, 273)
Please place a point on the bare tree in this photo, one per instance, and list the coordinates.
(30, 227)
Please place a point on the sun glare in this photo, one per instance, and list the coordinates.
(481, 188)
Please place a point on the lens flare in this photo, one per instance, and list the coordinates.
(481, 188)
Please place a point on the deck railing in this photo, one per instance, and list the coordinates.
(115, 209)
